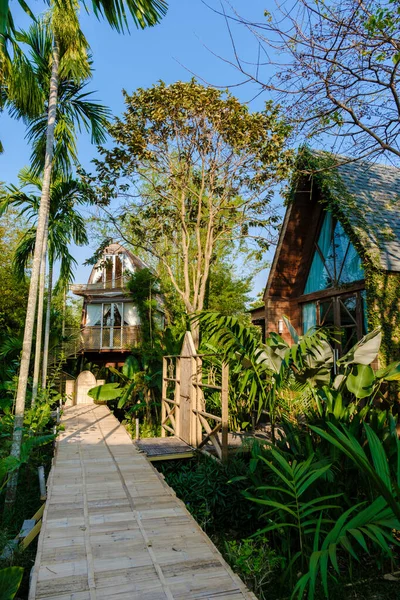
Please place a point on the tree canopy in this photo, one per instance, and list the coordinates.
(196, 171)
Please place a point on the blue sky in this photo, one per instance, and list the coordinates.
(180, 46)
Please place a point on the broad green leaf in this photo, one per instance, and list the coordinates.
(389, 373)
(7, 465)
(10, 580)
(105, 392)
(311, 478)
(360, 381)
(365, 351)
(131, 367)
(332, 548)
(126, 396)
(357, 534)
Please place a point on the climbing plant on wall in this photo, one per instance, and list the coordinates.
(382, 287)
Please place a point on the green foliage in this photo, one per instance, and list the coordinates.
(365, 523)
(359, 381)
(144, 287)
(205, 167)
(254, 561)
(66, 225)
(105, 392)
(211, 493)
(12, 312)
(10, 580)
(75, 110)
(292, 511)
(290, 381)
(228, 293)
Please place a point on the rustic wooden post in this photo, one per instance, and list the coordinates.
(225, 410)
(197, 403)
(163, 396)
(187, 392)
(177, 396)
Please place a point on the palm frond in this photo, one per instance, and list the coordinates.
(145, 13)
(24, 252)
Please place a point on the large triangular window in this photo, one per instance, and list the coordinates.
(336, 261)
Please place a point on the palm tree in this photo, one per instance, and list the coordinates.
(69, 50)
(65, 226)
(75, 109)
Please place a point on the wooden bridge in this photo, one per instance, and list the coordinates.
(112, 528)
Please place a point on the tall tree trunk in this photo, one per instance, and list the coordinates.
(195, 331)
(33, 287)
(64, 310)
(39, 324)
(47, 327)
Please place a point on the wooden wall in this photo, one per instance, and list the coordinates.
(293, 259)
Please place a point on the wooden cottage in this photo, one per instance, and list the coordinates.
(110, 324)
(337, 263)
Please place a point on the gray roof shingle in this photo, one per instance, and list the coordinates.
(375, 212)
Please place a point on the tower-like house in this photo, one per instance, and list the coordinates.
(110, 324)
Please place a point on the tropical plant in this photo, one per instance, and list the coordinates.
(69, 59)
(263, 374)
(10, 580)
(291, 509)
(144, 14)
(10, 464)
(254, 561)
(365, 523)
(65, 226)
(291, 381)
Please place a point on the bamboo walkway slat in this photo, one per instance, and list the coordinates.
(113, 529)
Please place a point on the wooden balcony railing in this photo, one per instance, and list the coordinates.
(102, 338)
(82, 288)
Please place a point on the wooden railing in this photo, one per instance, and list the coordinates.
(183, 410)
(117, 283)
(220, 424)
(102, 338)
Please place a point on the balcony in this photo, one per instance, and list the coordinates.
(84, 289)
(99, 339)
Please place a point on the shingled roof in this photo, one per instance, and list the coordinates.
(374, 208)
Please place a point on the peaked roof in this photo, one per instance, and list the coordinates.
(366, 194)
(117, 248)
(375, 213)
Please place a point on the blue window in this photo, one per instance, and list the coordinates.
(336, 261)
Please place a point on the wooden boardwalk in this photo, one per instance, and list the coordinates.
(113, 529)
